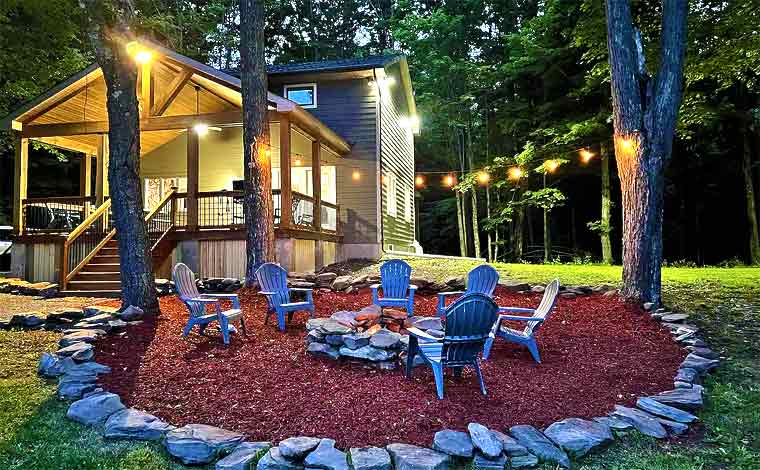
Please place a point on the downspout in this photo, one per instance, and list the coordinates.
(379, 151)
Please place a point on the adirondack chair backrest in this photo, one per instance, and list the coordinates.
(482, 279)
(273, 278)
(469, 321)
(184, 283)
(394, 277)
(545, 307)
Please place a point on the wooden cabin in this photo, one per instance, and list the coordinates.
(342, 154)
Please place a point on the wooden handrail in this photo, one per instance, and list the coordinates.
(67, 275)
(167, 197)
(91, 219)
(33, 200)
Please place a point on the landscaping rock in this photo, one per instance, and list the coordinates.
(315, 323)
(243, 457)
(409, 457)
(326, 279)
(27, 320)
(578, 436)
(94, 409)
(356, 341)
(688, 375)
(568, 295)
(72, 368)
(117, 324)
(370, 458)
(454, 443)
(73, 387)
(369, 353)
(539, 445)
(79, 336)
(647, 306)
(707, 353)
(50, 366)
(642, 421)
(134, 424)
(94, 310)
(684, 398)
(80, 352)
(538, 289)
(515, 286)
(484, 440)
(274, 460)
(101, 318)
(699, 363)
(481, 462)
(385, 339)
(510, 445)
(523, 461)
(675, 317)
(131, 313)
(615, 423)
(296, 448)
(656, 408)
(341, 282)
(332, 327)
(324, 350)
(326, 457)
(674, 427)
(334, 340)
(199, 443)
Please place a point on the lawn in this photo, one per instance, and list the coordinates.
(724, 303)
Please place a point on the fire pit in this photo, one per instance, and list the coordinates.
(371, 336)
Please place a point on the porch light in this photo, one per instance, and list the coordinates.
(515, 173)
(449, 181)
(298, 161)
(626, 143)
(201, 129)
(586, 155)
(410, 122)
(143, 57)
(140, 54)
(483, 177)
(419, 181)
(356, 176)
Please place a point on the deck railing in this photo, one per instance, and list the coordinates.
(220, 209)
(85, 240)
(55, 214)
(160, 221)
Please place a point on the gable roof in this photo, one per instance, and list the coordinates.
(336, 65)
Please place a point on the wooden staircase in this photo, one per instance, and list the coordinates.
(101, 276)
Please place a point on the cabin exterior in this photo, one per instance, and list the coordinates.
(342, 154)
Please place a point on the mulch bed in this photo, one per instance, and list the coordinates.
(596, 351)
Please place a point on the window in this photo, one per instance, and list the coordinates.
(409, 207)
(304, 94)
(391, 194)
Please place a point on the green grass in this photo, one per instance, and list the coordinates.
(724, 303)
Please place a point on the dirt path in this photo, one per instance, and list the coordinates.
(12, 304)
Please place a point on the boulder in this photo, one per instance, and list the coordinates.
(614, 423)
(675, 317)
(131, 313)
(134, 424)
(94, 310)
(369, 353)
(641, 420)
(333, 327)
(323, 350)
(356, 341)
(296, 448)
(80, 352)
(385, 339)
(315, 323)
(515, 286)
(539, 445)
(243, 457)
(326, 279)
(409, 457)
(510, 445)
(94, 409)
(273, 460)
(50, 366)
(481, 462)
(72, 387)
(326, 457)
(73, 368)
(370, 458)
(523, 461)
(454, 443)
(79, 336)
(656, 408)
(684, 398)
(196, 444)
(699, 363)
(578, 436)
(484, 440)
(707, 353)
(688, 375)
(674, 427)
(341, 283)
(455, 283)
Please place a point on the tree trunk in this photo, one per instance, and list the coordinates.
(257, 165)
(604, 233)
(644, 116)
(474, 196)
(547, 238)
(517, 239)
(489, 239)
(749, 191)
(109, 30)
(461, 225)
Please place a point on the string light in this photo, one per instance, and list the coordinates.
(449, 181)
(419, 181)
(515, 173)
(551, 165)
(586, 155)
(483, 177)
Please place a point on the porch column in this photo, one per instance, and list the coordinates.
(101, 170)
(316, 184)
(286, 198)
(20, 178)
(193, 153)
(85, 182)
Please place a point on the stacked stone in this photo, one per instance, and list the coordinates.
(220, 284)
(164, 287)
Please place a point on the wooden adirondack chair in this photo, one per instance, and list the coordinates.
(273, 281)
(394, 280)
(482, 279)
(184, 282)
(534, 321)
(469, 321)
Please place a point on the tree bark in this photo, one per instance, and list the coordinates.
(489, 239)
(749, 192)
(644, 116)
(473, 196)
(606, 227)
(461, 225)
(257, 165)
(547, 238)
(109, 32)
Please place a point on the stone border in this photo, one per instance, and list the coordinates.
(667, 413)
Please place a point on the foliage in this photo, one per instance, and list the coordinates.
(546, 198)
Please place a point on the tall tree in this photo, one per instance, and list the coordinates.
(645, 109)
(605, 227)
(109, 31)
(257, 202)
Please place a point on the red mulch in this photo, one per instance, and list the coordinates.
(597, 351)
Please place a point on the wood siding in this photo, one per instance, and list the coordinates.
(303, 255)
(329, 253)
(222, 258)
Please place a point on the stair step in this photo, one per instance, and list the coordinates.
(102, 267)
(91, 293)
(111, 251)
(105, 259)
(97, 275)
(94, 285)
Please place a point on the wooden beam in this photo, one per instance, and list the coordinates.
(286, 196)
(69, 144)
(85, 176)
(193, 154)
(316, 182)
(172, 91)
(101, 170)
(20, 178)
(146, 88)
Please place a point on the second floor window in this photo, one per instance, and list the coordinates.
(304, 94)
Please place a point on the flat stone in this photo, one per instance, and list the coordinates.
(656, 408)
(614, 423)
(409, 457)
(481, 462)
(369, 353)
(675, 317)
(484, 440)
(94, 409)
(334, 340)
(69, 314)
(196, 444)
(568, 295)
(385, 339)
(454, 443)
(50, 366)
(80, 336)
(341, 282)
(72, 388)
(510, 445)
(515, 286)
(80, 352)
(707, 353)
(326, 457)
(314, 323)
(94, 310)
(684, 398)
(97, 327)
(296, 448)
(699, 363)
(578, 436)
(99, 318)
(538, 289)
(523, 461)
(427, 323)
(687, 375)
(71, 367)
(273, 460)
(137, 425)
(642, 421)
(370, 458)
(674, 427)
(244, 455)
(27, 320)
(323, 350)
(356, 341)
(539, 445)
(117, 324)
(333, 327)
(315, 336)
(131, 313)
(647, 306)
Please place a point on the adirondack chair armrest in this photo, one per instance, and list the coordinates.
(412, 287)
(267, 293)
(374, 286)
(203, 300)
(301, 289)
(517, 310)
(231, 297)
(416, 332)
(446, 294)
(518, 318)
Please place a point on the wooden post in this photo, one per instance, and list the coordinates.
(286, 197)
(101, 170)
(193, 153)
(146, 90)
(20, 178)
(85, 183)
(316, 182)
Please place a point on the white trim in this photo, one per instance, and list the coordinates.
(313, 86)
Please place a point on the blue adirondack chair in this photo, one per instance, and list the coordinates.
(527, 336)
(482, 279)
(397, 291)
(184, 282)
(469, 321)
(273, 281)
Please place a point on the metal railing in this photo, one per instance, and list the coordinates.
(160, 221)
(55, 214)
(220, 209)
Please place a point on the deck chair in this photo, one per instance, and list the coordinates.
(273, 282)
(534, 321)
(184, 282)
(482, 279)
(469, 321)
(394, 280)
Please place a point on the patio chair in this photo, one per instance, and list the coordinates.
(482, 279)
(527, 336)
(468, 322)
(273, 282)
(397, 292)
(184, 282)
